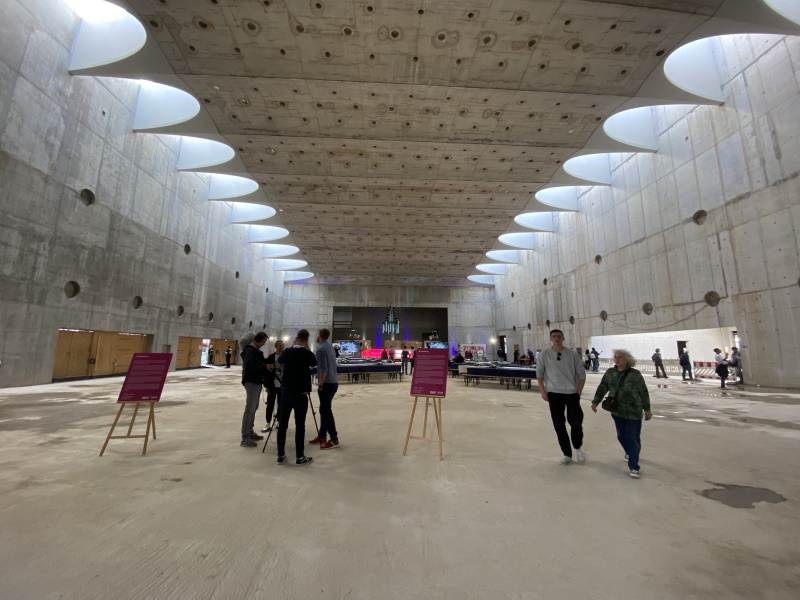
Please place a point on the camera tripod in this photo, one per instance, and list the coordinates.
(275, 421)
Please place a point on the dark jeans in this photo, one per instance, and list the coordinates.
(227, 362)
(660, 366)
(572, 403)
(253, 391)
(272, 394)
(685, 369)
(629, 435)
(412, 365)
(405, 366)
(326, 423)
(286, 404)
(595, 364)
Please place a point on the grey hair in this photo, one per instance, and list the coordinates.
(627, 356)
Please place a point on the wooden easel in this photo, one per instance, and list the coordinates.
(151, 420)
(437, 411)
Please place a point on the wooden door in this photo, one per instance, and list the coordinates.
(182, 357)
(105, 352)
(73, 351)
(128, 345)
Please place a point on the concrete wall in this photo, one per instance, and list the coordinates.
(469, 310)
(738, 162)
(61, 134)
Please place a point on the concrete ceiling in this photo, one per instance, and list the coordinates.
(399, 138)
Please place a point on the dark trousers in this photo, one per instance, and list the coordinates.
(412, 365)
(227, 362)
(286, 404)
(572, 404)
(327, 425)
(629, 433)
(685, 369)
(660, 366)
(405, 366)
(272, 394)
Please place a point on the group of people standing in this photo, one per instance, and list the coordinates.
(286, 374)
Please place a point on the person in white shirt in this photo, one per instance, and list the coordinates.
(561, 377)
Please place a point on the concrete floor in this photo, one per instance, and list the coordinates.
(201, 517)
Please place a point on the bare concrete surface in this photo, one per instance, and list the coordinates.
(201, 517)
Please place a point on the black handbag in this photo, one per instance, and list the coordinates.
(611, 404)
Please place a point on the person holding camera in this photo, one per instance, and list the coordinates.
(628, 401)
(295, 395)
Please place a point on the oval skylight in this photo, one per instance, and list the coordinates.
(506, 256)
(484, 279)
(247, 212)
(277, 250)
(493, 268)
(523, 240)
(284, 264)
(266, 233)
(297, 275)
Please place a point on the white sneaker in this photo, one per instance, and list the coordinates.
(634, 474)
(565, 460)
(266, 428)
(626, 458)
(579, 456)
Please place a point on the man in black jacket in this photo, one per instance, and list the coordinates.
(295, 387)
(273, 383)
(254, 370)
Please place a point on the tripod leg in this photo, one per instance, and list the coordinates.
(311, 404)
(271, 429)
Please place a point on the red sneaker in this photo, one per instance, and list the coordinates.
(317, 440)
(329, 445)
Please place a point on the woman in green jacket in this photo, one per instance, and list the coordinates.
(627, 385)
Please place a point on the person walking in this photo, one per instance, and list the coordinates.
(228, 354)
(561, 378)
(254, 370)
(587, 360)
(595, 354)
(404, 360)
(295, 395)
(326, 390)
(272, 381)
(686, 365)
(659, 363)
(626, 385)
(722, 366)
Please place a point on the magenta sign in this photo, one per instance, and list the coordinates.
(430, 372)
(145, 378)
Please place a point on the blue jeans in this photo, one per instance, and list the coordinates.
(687, 368)
(595, 364)
(326, 423)
(253, 391)
(629, 435)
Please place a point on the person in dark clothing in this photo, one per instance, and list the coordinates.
(210, 356)
(459, 358)
(404, 360)
(516, 355)
(228, 354)
(270, 380)
(254, 369)
(659, 363)
(686, 365)
(295, 389)
(411, 359)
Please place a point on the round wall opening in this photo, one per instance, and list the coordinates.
(572, 320)
(87, 197)
(529, 325)
(514, 328)
(233, 320)
(547, 322)
(266, 290)
(512, 294)
(250, 324)
(603, 315)
(545, 281)
(712, 298)
(237, 274)
(187, 249)
(180, 310)
(72, 289)
(210, 316)
(699, 217)
(647, 308)
(598, 259)
(137, 302)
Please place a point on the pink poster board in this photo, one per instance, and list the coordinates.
(430, 372)
(145, 378)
